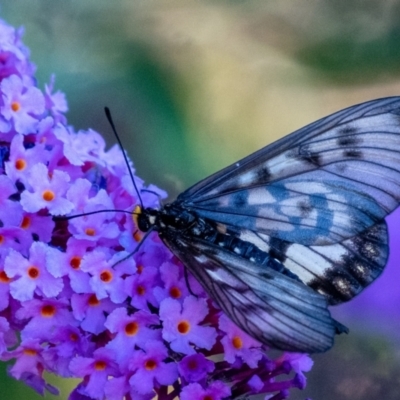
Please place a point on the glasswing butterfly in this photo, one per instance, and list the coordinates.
(280, 235)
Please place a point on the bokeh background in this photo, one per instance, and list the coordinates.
(196, 85)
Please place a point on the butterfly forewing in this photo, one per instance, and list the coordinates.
(320, 185)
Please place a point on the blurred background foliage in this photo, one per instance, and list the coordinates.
(195, 85)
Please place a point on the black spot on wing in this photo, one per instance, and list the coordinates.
(278, 249)
(362, 263)
(239, 199)
(305, 208)
(337, 285)
(343, 141)
(347, 130)
(352, 153)
(312, 158)
(263, 174)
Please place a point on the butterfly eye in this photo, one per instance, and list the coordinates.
(135, 215)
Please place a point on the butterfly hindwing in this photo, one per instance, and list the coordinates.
(269, 306)
(320, 185)
(338, 271)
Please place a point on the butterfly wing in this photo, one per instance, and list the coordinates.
(271, 307)
(338, 271)
(321, 185)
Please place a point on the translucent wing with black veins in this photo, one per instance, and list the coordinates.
(296, 226)
(323, 184)
(271, 307)
(338, 271)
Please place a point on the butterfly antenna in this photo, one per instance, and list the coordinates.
(132, 253)
(110, 120)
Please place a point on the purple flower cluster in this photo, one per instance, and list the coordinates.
(72, 301)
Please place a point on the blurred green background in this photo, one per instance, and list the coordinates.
(195, 85)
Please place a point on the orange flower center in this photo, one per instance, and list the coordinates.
(192, 365)
(74, 337)
(106, 276)
(30, 352)
(184, 327)
(33, 272)
(137, 236)
(48, 195)
(139, 268)
(1, 239)
(93, 300)
(4, 278)
(15, 106)
(90, 231)
(237, 342)
(48, 311)
(20, 164)
(75, 262)
(26, 222)
(150, 364)
(131, 329)
(175, 292)
(100, 365)
(140, 290)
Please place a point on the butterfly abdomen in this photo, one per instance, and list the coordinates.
(173, 221)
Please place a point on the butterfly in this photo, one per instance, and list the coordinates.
(293, 228)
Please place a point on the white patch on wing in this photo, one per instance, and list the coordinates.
(224, 201)
(223, 276)
(247, 178)
(308, 187)
(305, 263)
(260, 195)
(201, 259)
(282, 162)
(251, 237)
(334, 252)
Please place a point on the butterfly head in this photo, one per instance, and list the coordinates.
(146, 218)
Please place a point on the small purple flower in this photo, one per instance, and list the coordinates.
(38, 226)
(14, 238)
(174, 283)
(148, 366)
(46, 191)
(44, 316)
(195, 367)
(107, 280)
(238, 344)
(182, 325)
(140, 288)
(91, 312)
(130, 331)
(31, 274)
(28, 357)
(21, 104)
(92, 227)
(22, 159)
(68, 263)
(96, 370)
